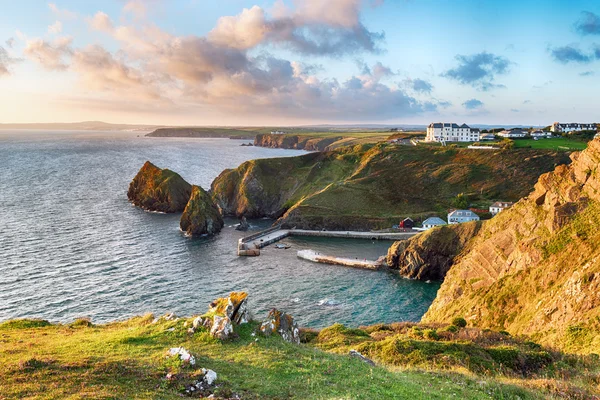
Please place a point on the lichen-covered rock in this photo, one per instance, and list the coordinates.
(156, 189)
(201, 215)
(221, 327)
(429, 255)
(283, 324)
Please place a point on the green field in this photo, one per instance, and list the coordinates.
(128, 360)
(558, 143)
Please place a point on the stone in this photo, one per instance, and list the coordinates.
(221, 327)
(243, 225)
(283, 324)
(156, 189)
(233, 306)
(201, 215)
(356, 354)
(184, 355)
(197, 323)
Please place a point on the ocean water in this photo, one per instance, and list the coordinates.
(72, 246)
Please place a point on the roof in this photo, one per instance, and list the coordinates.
(434, 221)
(502, 204)
(447, 125)
(462, 213)
(407, 219)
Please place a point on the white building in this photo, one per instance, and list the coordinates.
(277, 133)
(540, 134)
(451, 132)
(460, 216)
(512, 133)
(572, 127)
(432, 222)
(499, 206)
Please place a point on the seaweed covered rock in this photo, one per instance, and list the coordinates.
(283, 324)
(201, 215)
(429, 255)
(156, 189)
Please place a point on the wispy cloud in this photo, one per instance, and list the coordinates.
(473, 104)
(587, 73)
(55, 27)
(479, 70)
(6, 61)
(568, 54)
(419, 85)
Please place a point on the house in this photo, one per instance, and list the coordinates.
(513, 133)
(499, 206)
(407, 223)
(572, 127)
(432, 222)
(460, 216)
(487, 136)
(540, 134)
(277, 133)
(451, 132)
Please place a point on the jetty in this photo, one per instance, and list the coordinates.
(312, 255)
(251, 245)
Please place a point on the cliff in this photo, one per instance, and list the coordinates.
(535, 268)
(156, 189)
(202, 132)
(298, 142)
(429, 255)
(201, 215)
(372, 186)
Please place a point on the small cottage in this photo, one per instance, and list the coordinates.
(433, 222)
(499, 206)
(460, 216)
(407, 223)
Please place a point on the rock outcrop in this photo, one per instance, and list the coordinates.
(223, 314)
(372, 186)
(278, 322)
(156, 189)
(201, 215)
(298, 142)
(429, 255)
(535, 268)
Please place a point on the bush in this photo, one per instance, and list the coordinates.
(430, 334)
(452, 328)
(459, 322)
(24, 324)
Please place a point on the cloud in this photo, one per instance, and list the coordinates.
(61, 13)
(101, 22)
(50, 55)
(567, 54)
(5, 61)
(55, 28)
(419, 85)
(479, 70)
(587, 73)
(10, 42)
(314, 27)
(526, 101)
(472, 104)
(514, 110)
(588, 24)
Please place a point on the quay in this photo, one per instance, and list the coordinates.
(251, 245)
(312, 255)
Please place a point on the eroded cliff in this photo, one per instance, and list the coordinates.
(535, 268)
(201, 215)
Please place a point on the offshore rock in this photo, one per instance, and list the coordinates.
(429, 255)
(156, 189)
(201, 215)
(283, 324)
(243, 225)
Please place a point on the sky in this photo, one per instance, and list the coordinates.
(300, 62)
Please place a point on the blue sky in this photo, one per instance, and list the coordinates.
(238, 62)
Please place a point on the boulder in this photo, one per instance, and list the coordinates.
(156, 189)
(221, 328)
(243, 225)
(283, 324)
(201, 215)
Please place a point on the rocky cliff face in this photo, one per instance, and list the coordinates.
(535, 268)
(201, 215)
(429, 255)
(298, 142)
(373, 186)
(158, 189)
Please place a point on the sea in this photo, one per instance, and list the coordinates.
(72, 246)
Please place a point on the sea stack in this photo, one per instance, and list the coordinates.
(156, 189)
(201, 215)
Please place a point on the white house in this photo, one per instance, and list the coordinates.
(432, 222)
(487, 136)
(572, 127)
(499, 206)
(277, 133)
(460, 216)
(540, 134)
(512, 133)
(451, 132)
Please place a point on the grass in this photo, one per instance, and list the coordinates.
(128, 360)
(558, 144)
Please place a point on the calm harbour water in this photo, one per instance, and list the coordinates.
(72, 246)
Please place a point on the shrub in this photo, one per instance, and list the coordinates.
(81, 323)
(430, 334)
(459, 322)
(24, 324)
(452, 328)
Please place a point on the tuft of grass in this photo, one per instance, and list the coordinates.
(24, 324)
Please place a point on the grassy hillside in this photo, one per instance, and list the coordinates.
(535, 268)
(372, 186)
(129, 360)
